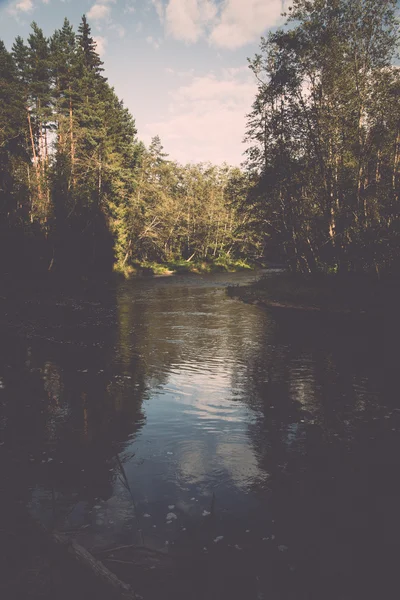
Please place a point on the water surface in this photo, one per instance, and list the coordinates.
(259, 452)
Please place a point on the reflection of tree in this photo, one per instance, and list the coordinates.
(67, 406)
(321, 439)
(74, 388)
(308, 392)
(165, 325)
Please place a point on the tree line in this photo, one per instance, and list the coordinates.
(325, 136)
(80, 193)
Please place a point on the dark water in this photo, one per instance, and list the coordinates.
(260, 452)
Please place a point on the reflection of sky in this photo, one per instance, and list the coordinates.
(194, 443)
(216, 441)
(194, 422)
(213, 406)
(195, 439)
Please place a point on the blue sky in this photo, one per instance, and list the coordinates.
(179, 65)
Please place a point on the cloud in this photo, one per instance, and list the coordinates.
(241, 23)
(187, 20)
(206, 120)
(23, 6)
(231, 24)
(159, 6)
(153, 42)
(171, 71)
(119, 29)
(99, 12)
(101, 43)
(129, 8)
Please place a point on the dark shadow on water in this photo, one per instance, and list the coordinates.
(330, 440)
(282, 429)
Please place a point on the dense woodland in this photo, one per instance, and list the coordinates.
(326, 120)
(80, 194)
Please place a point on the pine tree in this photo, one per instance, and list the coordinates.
(14, 197)
(20, 55)
(120, 177)
(33, 64)
(91, 60)
(12, 130)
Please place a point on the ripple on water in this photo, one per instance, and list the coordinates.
(266, 428)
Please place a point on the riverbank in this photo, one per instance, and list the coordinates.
(331, 294)
(12, 285)
(183, 267)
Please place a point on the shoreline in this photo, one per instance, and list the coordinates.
(184, 267)
(354, 296)
(33, 283)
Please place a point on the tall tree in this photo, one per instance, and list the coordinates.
(91, 60)
(312, 126)
(12, 137)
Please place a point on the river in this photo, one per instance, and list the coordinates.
(260, 453)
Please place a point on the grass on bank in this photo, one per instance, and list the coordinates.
(220, 265)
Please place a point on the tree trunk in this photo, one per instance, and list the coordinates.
(71, 135)
(71, 551)
(35, 160)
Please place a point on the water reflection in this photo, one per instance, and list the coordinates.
(270, 434)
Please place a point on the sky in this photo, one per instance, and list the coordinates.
(179, 65)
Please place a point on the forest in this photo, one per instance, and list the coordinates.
(318, 188)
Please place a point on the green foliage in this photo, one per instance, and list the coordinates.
(94, 197)
(13, 155)
(80, 146)
(181, 267)
(80, 193)
(325, 131)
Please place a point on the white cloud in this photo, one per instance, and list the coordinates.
(241, 22)
(46, 1)
(159, 6)
(129, 8)
(101, 43)
(99, 12)
(231, 24)
(206, 120)
(119, 29)
(187, 20)
(139, 27)
(153, 42)
(23, 6)
(171, 71)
